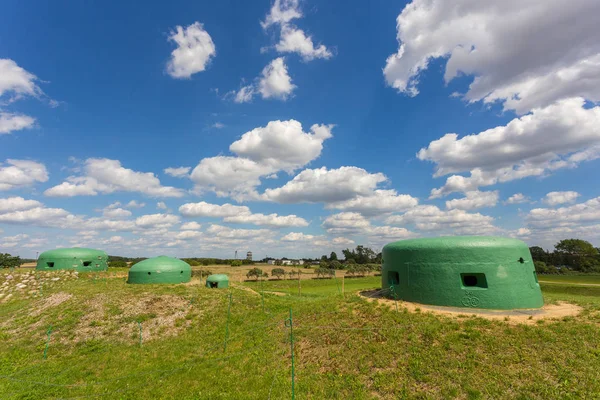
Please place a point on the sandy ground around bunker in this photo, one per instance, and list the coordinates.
(526, 316)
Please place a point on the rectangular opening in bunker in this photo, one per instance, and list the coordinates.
(50, 264)
(393, 278)
(87, 263)
(474, 280)
(214, 284)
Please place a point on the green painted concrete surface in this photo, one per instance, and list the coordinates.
(160, 269)
(462, 271)
(220, 281)
(76, 258)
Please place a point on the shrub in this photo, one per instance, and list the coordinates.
(237, 263)
(117, 264)
(278, 272)
(256, 273)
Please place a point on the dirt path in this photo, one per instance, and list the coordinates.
(529, 316)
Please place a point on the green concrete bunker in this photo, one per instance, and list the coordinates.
(219, 281)
(161, 269)
(76, 258)
(462, 271)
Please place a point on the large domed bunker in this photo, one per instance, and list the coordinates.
(160, 269)
(76, 258)
(462, 271)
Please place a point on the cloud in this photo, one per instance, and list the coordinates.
(203, 209)
(378, 203)
(297, 237)
(550, 138)
(517, 198)
(293, 39)
(116, 213)
(17, 81)
(275, 81)
(190, 226)
(194, 51)
(107, 176)
(281, 145)
(17, 204)
(135, 204)
(556, 198)
(430, 218)
(548, 225)
(188, 234)
(350, 223)
(272, 220)
(239, 215)
(156, 221)
(178, 172)
(282, 12)
(328, 186)
(494, 43)
(220, 231)
(473, 200)
(14, 122)
(16, 174)
(40, 216)
(218, 125)
(161, 205)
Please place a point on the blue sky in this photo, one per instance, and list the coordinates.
(337, 113)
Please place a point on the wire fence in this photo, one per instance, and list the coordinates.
(280, 324)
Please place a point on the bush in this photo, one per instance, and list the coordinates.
(256, 273)
(117, 264)
(323, 264)
(201, 273)
(325, 272)
(278, 272)
(192, 262)
(335, 264)
(237, 263)
(8, 261)
(205, 262)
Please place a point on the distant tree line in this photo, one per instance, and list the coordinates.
(8, 261)
(568, 255)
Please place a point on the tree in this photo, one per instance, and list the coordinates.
(255, 272)
(324, 258)
(236, 263)
(335, 264)
(333, 256)
(579, 254)
(324, 264)
(278, 262)
(324, 272)
(278, 272)
(538, 254)
(8, 261)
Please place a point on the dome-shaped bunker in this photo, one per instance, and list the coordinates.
(220, 281)
(462, 271)
(76, 258)
(160, 269)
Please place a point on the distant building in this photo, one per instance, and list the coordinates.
(249, 256)
(285, 262)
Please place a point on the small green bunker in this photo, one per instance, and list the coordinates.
(220, 281)
(161, 269)
(462, 271)
(76, 258)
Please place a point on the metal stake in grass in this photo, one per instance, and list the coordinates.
(262, 293)
(140, 326)
(227, 323)
(49, 332)
(290, 324)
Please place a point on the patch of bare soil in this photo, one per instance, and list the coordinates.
(53, 300)
(159, 316)
(528, 317)
(247, 289)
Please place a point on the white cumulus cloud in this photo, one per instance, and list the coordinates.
(195, 48)
(177, 172)
(10, 122)
(473, 200)
(556, 198)
(512, 49)
(21, 173)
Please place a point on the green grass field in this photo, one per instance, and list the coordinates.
(345, 347)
